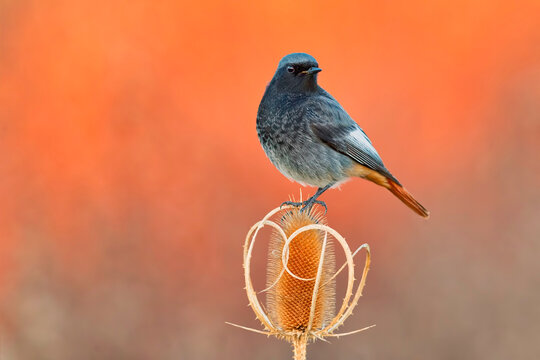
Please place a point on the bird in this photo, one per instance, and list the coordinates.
(312, 140)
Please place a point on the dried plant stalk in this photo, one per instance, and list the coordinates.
(301, 275)
(300, 348)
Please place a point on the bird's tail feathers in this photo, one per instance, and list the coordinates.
(389, 182)
(402, 194)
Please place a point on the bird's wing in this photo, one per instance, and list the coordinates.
(334, 127)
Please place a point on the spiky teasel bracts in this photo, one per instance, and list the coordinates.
(300, 278)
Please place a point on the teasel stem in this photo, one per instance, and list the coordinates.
(300, 348)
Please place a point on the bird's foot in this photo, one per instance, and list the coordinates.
(291, 203)
(306, 205)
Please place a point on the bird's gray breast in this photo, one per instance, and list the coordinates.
(293, 148)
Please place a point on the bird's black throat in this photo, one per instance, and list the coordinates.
(302, 83)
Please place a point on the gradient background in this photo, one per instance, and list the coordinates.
(130, 172)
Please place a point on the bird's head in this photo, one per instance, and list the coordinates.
(297, 72)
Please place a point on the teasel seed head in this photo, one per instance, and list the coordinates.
(291, 293)
(301, 277)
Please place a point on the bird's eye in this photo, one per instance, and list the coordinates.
(290, 69)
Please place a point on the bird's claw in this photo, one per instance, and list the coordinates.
(322, 203)
(292, 203)
(306, 205)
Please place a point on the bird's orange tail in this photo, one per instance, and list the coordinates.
(403, 195)
(395, 188)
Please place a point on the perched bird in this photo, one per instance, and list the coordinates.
(310, 138)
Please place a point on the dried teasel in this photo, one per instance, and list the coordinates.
(301, 275)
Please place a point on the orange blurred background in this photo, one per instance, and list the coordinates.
(131, 172)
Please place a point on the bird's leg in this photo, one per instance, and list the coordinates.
(313, 200)
(306, 205)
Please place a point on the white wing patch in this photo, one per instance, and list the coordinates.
(363, 142)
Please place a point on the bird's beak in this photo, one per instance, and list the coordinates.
(311, 71)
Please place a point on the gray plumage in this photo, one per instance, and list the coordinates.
(306, 133)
